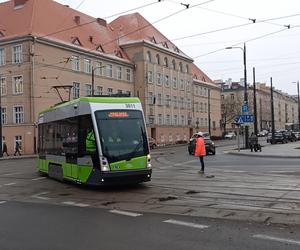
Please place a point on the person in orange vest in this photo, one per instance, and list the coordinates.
(200, 150)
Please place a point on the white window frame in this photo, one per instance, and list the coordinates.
(16, 54)
(109, 70)
(75, 63)
(150, 76)
(17, 86)
(99, 90)
(2, 56)
(110, 91)
(99, 68)
(119, 72)
(4, 115)
(18, 114)
(88, 89)
(167, 81)
(3, 86)
(76, 90)
(174, 83)
(87, 63)
(128, 75)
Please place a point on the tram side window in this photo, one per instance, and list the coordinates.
(85, 126)
(69, 135)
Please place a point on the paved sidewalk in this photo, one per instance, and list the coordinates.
(288, 150)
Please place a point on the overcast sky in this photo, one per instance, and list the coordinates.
(276, 56)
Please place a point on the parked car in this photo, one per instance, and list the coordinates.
(152, 142)
(297, 135)
(209, 146)
(290, 136)
(278, 137)
(230, 135)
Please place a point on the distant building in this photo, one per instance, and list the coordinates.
(285, 106)
(45, 44)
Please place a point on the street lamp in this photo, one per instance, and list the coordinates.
(298, 105)
(245, 87)
(93, 77)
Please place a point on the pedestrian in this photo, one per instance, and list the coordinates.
(200, 150)
(253, 142)
(5, 149)
(17, 149)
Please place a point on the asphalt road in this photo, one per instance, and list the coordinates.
(43, 226)
(250, 203)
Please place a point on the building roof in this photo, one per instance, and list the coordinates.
(48, 19)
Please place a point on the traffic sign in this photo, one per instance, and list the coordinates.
(240, 119)
(245, 108)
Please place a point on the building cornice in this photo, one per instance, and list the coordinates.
(156, 47)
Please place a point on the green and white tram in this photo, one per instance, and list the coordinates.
(116, 128)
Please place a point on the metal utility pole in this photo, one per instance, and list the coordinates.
(1, 141)
(209, 128)
(245, 96)
(298, 106)
(272, 111)
(254, 103)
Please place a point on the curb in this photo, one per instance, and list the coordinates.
(17, 157)
(255, 154)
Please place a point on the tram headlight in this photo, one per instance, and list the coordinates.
(149, 161)
(104, 164)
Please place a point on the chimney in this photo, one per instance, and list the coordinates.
(102, 22)
(77, 19)
(19, 3)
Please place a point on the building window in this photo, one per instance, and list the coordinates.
(166, 62)
(182, 120)
(99, 68)
(180, 67)
(167, 119)
(109, 70)
(167, 101)
(18, 138)
(76, 89)
(187, 68)
(181, 84)
(149, 58)
(157, 59)
(119, 72)
(119, 91)
(175, 120)
(173, 64)
(18, 114)
(182, 102)
(87, 66)
(17, 54)
(75, 63)
(174, 82)
(150, 76)
(2, 56)
(128, 75)
(88, 90)
(17, 84)
(159, 99)
(188, 86)
(158, 76)
(109, 91)
(175, 101)
(128, 93)
(167, 81)
(99, 90)
(232, 96)
(3, 87)
(160, 119)
(4, 115)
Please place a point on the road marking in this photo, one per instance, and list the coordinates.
(38, 196)
(9, 184)
(234, 171)
(39, 178)
(72, 203)
(282, 171)
(187, 224)
(11, 174)
(266, 237)
(2, 202)
(125, 213)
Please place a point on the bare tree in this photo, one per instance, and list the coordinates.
(230, 108)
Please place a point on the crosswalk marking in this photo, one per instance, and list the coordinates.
(38, 178)
(267, 237)
(2, 202)
(72, 203)
(9, 184)
(125, 213)
(38, 196)
(188, 224)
